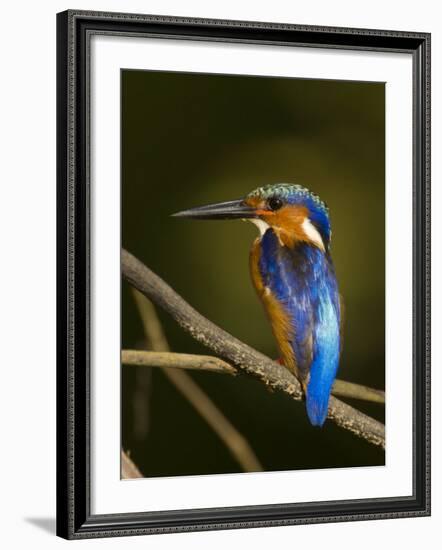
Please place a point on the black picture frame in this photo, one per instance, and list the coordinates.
(74, 518)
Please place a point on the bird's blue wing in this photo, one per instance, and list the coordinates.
(303, 281)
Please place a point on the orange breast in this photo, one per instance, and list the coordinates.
(280, 321)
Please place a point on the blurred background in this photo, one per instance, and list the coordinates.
(192, 139)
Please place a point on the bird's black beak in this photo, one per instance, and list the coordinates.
(230, 210)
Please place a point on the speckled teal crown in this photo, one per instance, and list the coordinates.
(288, 192)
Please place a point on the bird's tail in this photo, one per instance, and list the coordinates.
(323, 369)
(317, 405)
(317, 393)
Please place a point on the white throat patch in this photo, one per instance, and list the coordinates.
(260, 224)
(312, 233)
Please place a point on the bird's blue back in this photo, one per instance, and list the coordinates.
(302, 280)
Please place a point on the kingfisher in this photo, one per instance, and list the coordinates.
(293, 274)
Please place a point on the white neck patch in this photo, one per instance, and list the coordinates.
(312, 233)
(260, 224)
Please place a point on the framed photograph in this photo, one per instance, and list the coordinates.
(214, 374)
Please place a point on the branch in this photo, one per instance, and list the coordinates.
(241, 355)
(226, 431)
(214, 364)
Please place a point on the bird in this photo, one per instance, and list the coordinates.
(293, 273)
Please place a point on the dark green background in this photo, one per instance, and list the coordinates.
(190, 139)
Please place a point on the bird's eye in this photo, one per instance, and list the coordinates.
(274, 203)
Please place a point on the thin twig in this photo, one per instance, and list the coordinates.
(240, 354)
(153, 329)
(214, 364)
(342, 388)
(176, 361)
(231, 437)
